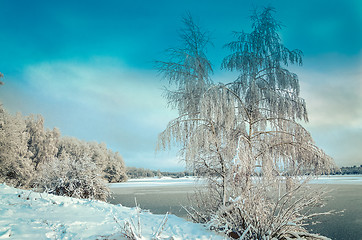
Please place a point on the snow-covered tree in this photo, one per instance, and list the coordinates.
(42, 142)
(188, 70)
(15, 164)
(230, 133)
(115, 169)
(73, 148)
(208, 142)
(111, 164)
(28, 152)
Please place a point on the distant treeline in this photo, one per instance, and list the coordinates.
(133, 172)
(349, 170)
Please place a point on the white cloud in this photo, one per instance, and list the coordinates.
(105, 101)
(103, 84)
(333, 98)
(334, 103)
(125, 109)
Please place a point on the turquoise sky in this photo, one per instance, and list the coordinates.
(88, 67)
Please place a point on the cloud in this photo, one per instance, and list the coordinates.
(102, 81)
(334, 98)
(104, 101)
(165, 161)
(104, 84)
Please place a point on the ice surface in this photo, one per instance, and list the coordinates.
(157, 182)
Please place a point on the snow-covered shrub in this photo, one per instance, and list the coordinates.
(79, 178)
(265, 210)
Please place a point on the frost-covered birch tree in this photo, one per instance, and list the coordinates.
(245, 137)
(201, 133)
(266, 96)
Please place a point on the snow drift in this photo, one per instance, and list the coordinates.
(25, 214)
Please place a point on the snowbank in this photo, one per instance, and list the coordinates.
(30, 215)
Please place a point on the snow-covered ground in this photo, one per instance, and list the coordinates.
(30, 215)
(339, 179)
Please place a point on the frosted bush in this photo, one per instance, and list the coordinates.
(78, 178)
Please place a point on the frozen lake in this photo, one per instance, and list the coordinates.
(157, 195)
(168, 194)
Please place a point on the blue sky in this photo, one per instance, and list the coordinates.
(88, 67)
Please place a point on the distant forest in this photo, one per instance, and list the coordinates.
(133, 172)
(349, 170)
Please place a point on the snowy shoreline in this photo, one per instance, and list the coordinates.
(190, 181)
(338, 179)
(25, 214)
